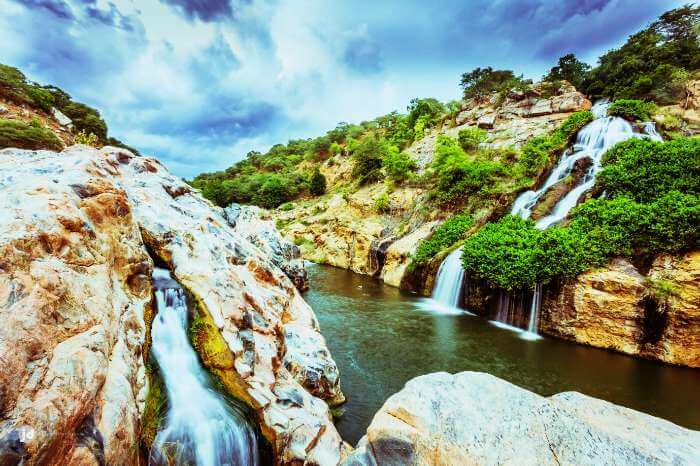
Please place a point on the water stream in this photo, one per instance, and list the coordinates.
(201, 427)
(592, 142)
(381, 338)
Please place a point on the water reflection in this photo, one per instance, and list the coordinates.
(381, 338)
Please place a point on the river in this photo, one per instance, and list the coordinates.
(381, 337)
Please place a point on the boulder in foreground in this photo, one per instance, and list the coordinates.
(473, 418)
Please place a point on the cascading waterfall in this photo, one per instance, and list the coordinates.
(592, 142)
(448, 284)
(201, 428)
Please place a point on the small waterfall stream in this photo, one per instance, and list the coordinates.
(448, 284)
(201, 428)
(592, 142)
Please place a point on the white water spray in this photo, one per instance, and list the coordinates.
(592, 142)
(448, 284)
(201, 428)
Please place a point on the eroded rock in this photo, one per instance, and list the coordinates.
(616, 307)
(74, 283)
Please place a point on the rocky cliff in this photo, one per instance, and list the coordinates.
(347, 230)
(79, 233)
(653, 315)
(477, 419)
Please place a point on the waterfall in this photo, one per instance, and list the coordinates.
(592, 142)
(450, 276)
(201, 428)
(448, 286)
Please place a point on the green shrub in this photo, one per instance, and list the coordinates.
(632, 109)
(287, 206)
(446, 235)
(368, 155)
(21, 135)
(87, 139)
(504, 253)
(642, 169)
(382, 203)
(317, 184)
(540, 150)
(399, 166)
(470, 138)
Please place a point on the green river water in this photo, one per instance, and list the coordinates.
(381, 337)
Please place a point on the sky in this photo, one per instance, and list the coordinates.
(199, 83)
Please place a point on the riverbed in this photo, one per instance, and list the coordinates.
(381, 337)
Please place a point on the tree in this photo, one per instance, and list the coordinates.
(569, 68)
(480, 83)
(318, 183)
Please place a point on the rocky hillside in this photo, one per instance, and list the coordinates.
(347, 228)
(33, 116)
(80, 232)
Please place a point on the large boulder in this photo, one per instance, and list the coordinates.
(617, 307)
(257, 226)
(477, 419)
(77, 234)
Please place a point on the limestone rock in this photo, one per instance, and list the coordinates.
(75, 280)
(475, 418)
(62, 119)
(486, 121)
(254, 224)
(614, 307)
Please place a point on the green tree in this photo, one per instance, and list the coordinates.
(569, 68)
(318, 183)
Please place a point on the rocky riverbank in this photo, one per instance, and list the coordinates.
(80, 232)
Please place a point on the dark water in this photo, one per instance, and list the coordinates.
(380, 339)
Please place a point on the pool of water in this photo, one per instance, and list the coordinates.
(381, 337)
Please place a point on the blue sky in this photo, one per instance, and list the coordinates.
(200, 83)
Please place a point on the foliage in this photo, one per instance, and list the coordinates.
(446, 235)
(642, 169)
(480, 83)
(88, 139)
(427, 109)
(317, 185)
(381, 203)
(538, 151)
(653, 206)
(569, 68)
(399, 166)
(632, 109)
(23, 135)
(654, 63)
(368, 155)
(470, 138)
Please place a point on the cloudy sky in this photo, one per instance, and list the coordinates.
(198, 83)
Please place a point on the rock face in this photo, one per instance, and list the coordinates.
(475, 418)
(255, 225)
(347, 231)
(75, 270)
(618, 308)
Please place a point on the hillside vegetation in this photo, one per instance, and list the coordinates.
(30, 132)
